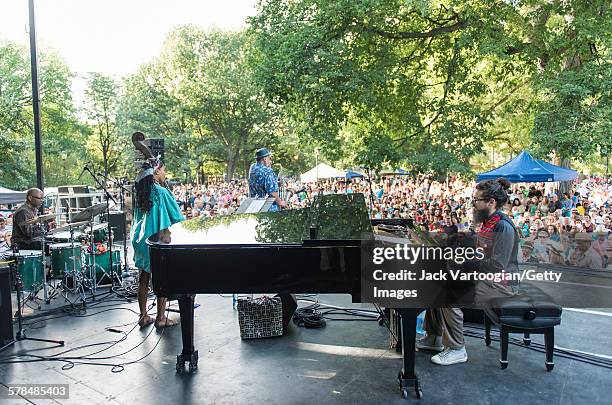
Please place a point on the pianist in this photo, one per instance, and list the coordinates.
(154, 212)
(262, 180)
(499, 239)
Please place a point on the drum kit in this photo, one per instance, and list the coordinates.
(76, 256)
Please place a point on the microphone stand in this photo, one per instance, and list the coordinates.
(110, 233)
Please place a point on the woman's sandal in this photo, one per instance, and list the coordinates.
(165, 323)
(146, 321)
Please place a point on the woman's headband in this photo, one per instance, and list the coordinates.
(150, 171)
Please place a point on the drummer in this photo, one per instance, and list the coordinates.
(27, 236)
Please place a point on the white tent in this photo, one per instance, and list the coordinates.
(321, 171)
(8, 196)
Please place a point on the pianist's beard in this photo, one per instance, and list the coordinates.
(479, 216)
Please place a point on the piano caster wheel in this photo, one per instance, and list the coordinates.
(404, 388)
(417, 390)
(503, 364)
(550, 366)
(181, 359)
(180, 364)
(193, 362)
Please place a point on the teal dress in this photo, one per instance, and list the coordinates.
(164, 212)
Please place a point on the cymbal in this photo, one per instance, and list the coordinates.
(90, 212)
(39, 218)
(67, 227)
(96, 227)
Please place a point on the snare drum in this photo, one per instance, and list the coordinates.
(65, 258)
(30, 268)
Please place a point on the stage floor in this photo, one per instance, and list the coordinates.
(345, 362)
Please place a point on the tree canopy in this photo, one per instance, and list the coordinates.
(430, 82)
(427, 85)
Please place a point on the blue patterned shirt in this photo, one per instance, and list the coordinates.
(262, 182)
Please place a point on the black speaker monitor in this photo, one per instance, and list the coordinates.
(6, 308)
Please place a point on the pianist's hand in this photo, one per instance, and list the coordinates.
(283, 204)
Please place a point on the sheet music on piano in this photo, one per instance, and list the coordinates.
(255, 206)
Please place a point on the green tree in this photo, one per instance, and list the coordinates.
(60, 129)
(214, 83)
(431, 82)
(101, 104)
(574, 114)
(200, 96)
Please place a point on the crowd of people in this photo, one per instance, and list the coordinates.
(571, 229)
(553, 229)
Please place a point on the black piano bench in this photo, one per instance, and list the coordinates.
(529, 312)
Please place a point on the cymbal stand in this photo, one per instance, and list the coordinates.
(92, 257)
(108, 197)
(122, 191)
(126, 266)
(43, 233)
(77, 277)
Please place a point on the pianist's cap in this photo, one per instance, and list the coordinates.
(262, 153)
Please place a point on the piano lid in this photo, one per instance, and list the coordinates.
(336, 217)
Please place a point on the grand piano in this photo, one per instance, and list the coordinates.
(310, 250)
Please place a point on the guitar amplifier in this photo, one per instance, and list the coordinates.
(6, 308)
(116, 221)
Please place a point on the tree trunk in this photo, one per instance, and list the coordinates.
(231, 164)
(105, 157)
(565, 186)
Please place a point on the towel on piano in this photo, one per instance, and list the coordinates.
(164, 213)
(260, 317)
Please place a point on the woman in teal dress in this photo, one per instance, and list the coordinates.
(155, 210)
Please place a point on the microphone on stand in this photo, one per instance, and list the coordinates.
(85, 168)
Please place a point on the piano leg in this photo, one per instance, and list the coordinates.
(189, 354)
(407, 377)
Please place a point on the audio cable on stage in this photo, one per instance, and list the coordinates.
(317, 314)
(89, 359)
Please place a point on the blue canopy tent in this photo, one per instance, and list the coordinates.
(350, 174)
(525, 169)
